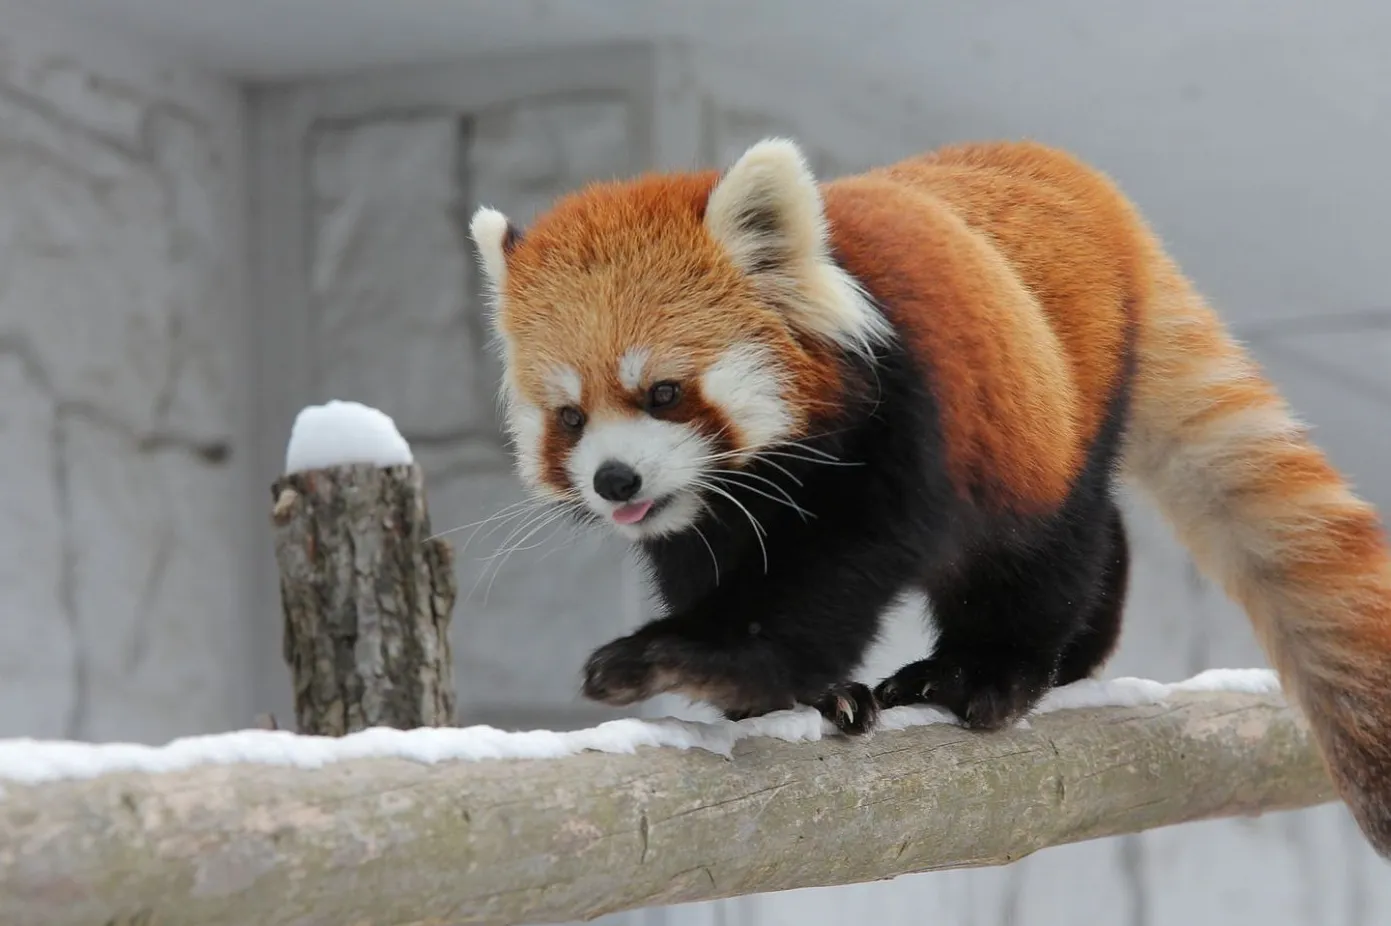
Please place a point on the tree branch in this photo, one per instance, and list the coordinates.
(392, 842)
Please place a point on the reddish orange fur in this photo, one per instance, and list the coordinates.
(1011, 416)
(1018, 420)
(1018, 272)
(677, 293)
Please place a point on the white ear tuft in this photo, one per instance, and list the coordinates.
(491, 232)
(766, 210)
(767, 213)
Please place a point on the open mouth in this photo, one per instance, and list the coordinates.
(636, 512)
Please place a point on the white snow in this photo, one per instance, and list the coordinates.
(30, 761)
(1251, 681)
(341, 433)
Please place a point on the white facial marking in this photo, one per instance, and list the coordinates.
(565, 385)
(745, 383)
(668, 456)
(630, 367)
(526, 425)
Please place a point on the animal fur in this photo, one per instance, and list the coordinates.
(809, 397)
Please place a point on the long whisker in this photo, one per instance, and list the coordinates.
(758, 529)
(786, 500)
(519, 546)
(481, 521)
(721, 457)
(783, 449)
(531, 527)
(528, 506)
(782, 469)
(800, 458)
(532, 509)
(507, 514)
(763, 457)
(714, 560)
(563, 526)
(748, 475)
(530, 518)
(560, 505)
(502, 520)
(810, 449)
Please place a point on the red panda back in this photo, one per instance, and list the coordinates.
(1067, 233)
(1024, 356)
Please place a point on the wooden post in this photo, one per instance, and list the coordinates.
(366, 599)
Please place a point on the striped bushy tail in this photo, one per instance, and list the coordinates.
(1261, 510)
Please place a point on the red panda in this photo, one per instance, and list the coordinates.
(802, 399)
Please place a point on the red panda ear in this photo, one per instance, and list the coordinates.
(493, 236)
(766, 210)
(767, 213)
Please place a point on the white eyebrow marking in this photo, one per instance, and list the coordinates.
(565, 384)
(630, 366)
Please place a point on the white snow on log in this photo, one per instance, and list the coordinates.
(341, 433)
(30, 761)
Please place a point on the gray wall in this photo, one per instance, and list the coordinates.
(1253, 134)
(123, 393)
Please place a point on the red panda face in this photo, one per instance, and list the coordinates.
(631, 382)
(641, 443)
(658, 332)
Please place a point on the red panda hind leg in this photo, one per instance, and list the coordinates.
(1020, 618)
(1094, 644)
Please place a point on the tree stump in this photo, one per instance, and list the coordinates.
(366, 598)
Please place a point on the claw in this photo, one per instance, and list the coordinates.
(850, 706)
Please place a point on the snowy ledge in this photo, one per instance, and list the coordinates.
(481, 826)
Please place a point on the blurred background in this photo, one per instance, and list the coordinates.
(213, 212)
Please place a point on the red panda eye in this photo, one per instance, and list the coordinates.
(572, 418)
(663, 394)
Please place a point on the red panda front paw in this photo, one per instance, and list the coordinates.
(656, 661)
(982, 694)
(626, 671)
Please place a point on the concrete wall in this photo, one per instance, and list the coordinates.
(1254, 138)
(123, 353)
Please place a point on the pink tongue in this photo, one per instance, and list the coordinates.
(631, 514)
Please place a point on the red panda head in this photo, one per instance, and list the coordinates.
(658, 330)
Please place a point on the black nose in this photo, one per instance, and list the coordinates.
(616, 481)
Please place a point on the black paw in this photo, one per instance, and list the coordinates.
(982, 696)
(851, 707)
(625, 671)
(742, 713)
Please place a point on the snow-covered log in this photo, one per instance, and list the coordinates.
(440, 826)
(366, 593)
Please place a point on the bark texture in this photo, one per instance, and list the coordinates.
(387, 842)
(366, 599)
